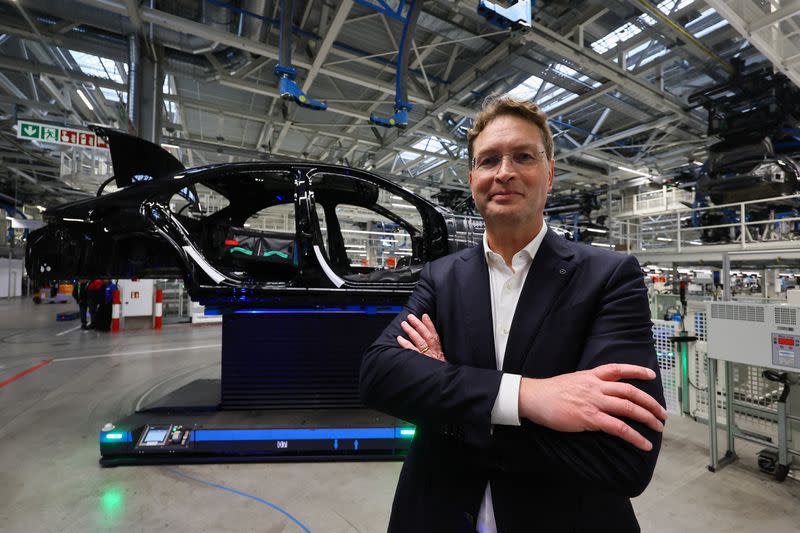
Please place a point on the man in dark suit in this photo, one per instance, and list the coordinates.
(527, 363)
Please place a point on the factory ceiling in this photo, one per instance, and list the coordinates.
(613, 76)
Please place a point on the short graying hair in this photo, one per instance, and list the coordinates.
(495, 106)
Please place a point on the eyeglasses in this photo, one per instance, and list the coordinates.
(489, 163)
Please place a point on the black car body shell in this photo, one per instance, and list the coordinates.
(756, 115)
(739, 171)
(133, 233)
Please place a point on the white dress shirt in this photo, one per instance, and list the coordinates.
(505, 287)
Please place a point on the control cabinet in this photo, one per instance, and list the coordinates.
(766, 335)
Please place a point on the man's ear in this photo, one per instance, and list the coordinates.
(470, 178)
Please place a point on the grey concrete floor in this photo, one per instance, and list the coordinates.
(50, 479)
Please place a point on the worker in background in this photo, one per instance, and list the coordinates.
(527, 363)
(106, 307)
(81, 295)
(95, 297)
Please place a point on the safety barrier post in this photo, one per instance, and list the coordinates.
(115, 308)
(158, 309)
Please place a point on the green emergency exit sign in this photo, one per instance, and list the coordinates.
(29, 131)
(35, 131)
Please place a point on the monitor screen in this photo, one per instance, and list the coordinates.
(154, 436)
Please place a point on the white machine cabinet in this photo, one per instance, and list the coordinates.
(759, 335)
(765, 335)
(136, 297)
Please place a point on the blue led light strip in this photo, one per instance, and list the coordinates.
(300, 434)
(329, 310)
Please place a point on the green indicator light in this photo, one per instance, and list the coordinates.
(684, 378)
(684, 360)
(408, 432)
(114, 436)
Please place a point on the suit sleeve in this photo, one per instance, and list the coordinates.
(621, 333)
(420, 389)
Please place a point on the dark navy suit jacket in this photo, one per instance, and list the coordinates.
(580, 307)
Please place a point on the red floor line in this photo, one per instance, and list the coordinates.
(24, 372)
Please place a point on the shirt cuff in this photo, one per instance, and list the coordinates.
(506, 405)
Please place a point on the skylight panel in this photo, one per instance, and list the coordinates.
(113, 96)
(561, 98)
(714, 27)
(97, 66)
(647, 19)
(574, 75)
(171, 105)
(527, 89)
(669, 6)
(422, 162)
(651, 57)
(555, 95)
(620, 35)
(641, 48)
(656, 50)
(566, 71)
(426, 164)
(430, 144)
(702, 16)
(630, 29)
(406, 157)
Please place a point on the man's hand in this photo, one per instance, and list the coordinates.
(423, 335)
(593, 400)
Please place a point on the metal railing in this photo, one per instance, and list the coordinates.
(766, 220)
(664, 200)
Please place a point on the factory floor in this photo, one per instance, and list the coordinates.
(50, 479)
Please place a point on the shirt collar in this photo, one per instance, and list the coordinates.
(528, 251)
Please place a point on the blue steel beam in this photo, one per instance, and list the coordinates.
(286, 73)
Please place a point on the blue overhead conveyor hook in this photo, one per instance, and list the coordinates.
(402, 106)
(398, 120)
(289, 90)
(516, 15)
(286, 73)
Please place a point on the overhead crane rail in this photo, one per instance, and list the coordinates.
(517, 15)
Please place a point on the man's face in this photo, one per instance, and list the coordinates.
(515, 190)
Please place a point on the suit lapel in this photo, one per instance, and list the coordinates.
(473, 286)
(549, 274)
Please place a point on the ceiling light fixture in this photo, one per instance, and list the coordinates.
(633, 171)
(85, 100)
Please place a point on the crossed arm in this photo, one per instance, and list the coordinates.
(599, 425)
(586, 400)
